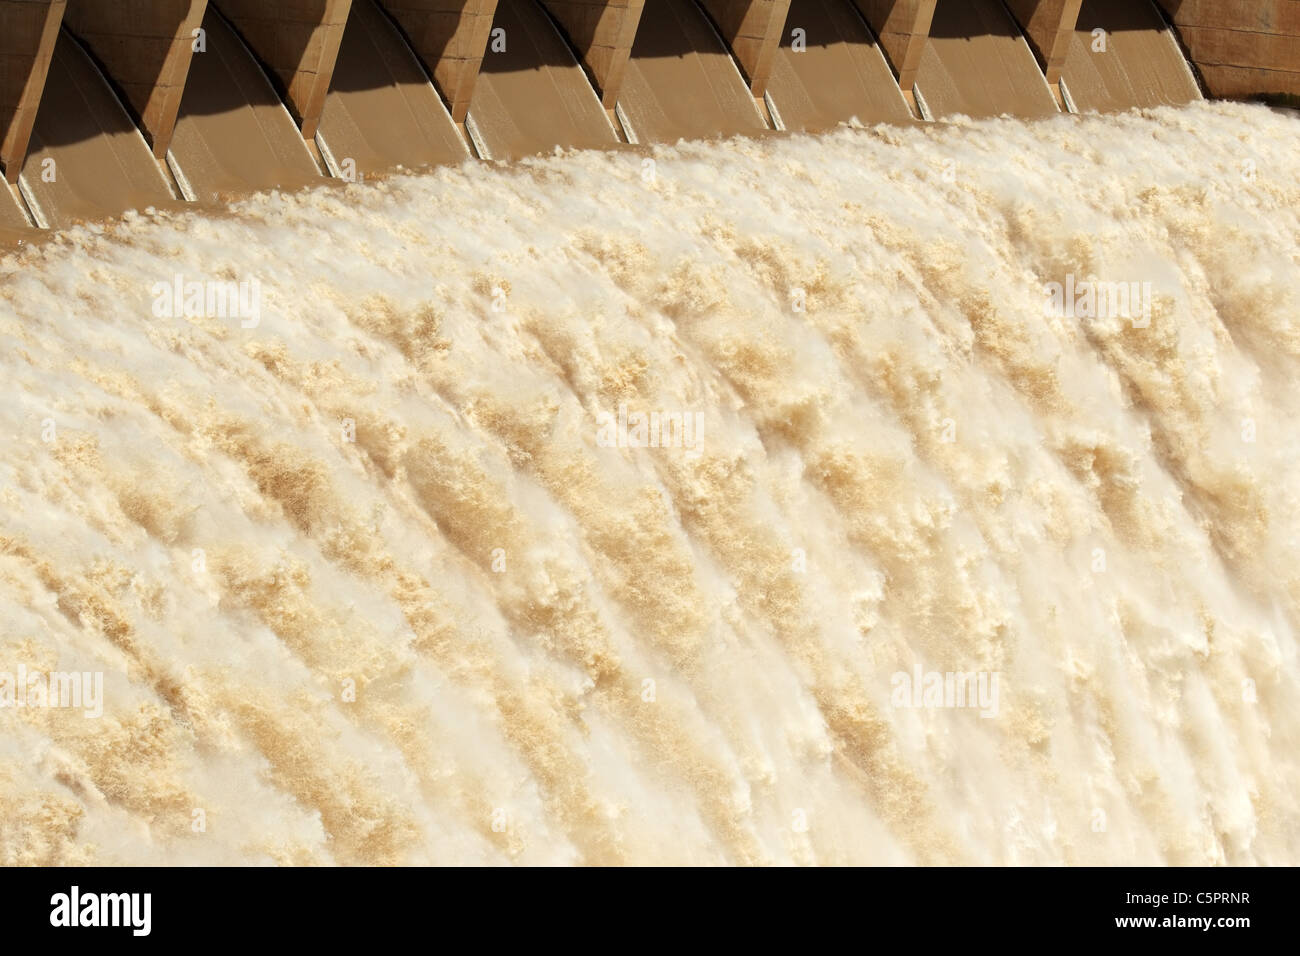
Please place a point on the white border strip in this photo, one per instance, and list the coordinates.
(628, 131)
(777, 122)
(38, 214)
(327, 155)
(183, 181)
(1065, 95)
(923, 106)
(476, 137)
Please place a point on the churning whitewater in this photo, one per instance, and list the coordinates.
(752, 502)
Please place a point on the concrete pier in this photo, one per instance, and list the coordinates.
(146, 47)
(28, 32)
(752, 29)
(903, 27)
(1049, 25)
(299, 43)
(601, 33)
(450, 36)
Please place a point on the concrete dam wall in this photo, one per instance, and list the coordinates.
(494, 433)
(112, 105)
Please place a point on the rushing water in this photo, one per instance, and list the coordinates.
(371, 576)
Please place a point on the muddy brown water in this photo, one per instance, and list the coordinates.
(532, 95)
(978, 63)
(681, 82)
(1140, 63)
(840, 73)
(234, 135)
(382, 111)
(87, 159)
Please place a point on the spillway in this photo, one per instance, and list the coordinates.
(382, 111)
(709, 432)
(977, 63)
(829, 68)
(1123, 55)
(386, 565)
(680, 81)
(531, 95)
(233, 134)
(87, 160)
(208, 100)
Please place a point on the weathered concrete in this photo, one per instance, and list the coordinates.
(601, 31)
(450, 36)
(903, 27)
(28, 32)
(299, 43)
(145, 46)
(752, 29)
(1242, 48)
(1049, 26)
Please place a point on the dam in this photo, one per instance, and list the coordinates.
(649, 433)
(109, 106)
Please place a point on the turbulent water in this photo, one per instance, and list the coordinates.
(375, 580)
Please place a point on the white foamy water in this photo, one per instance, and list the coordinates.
(397, 482)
